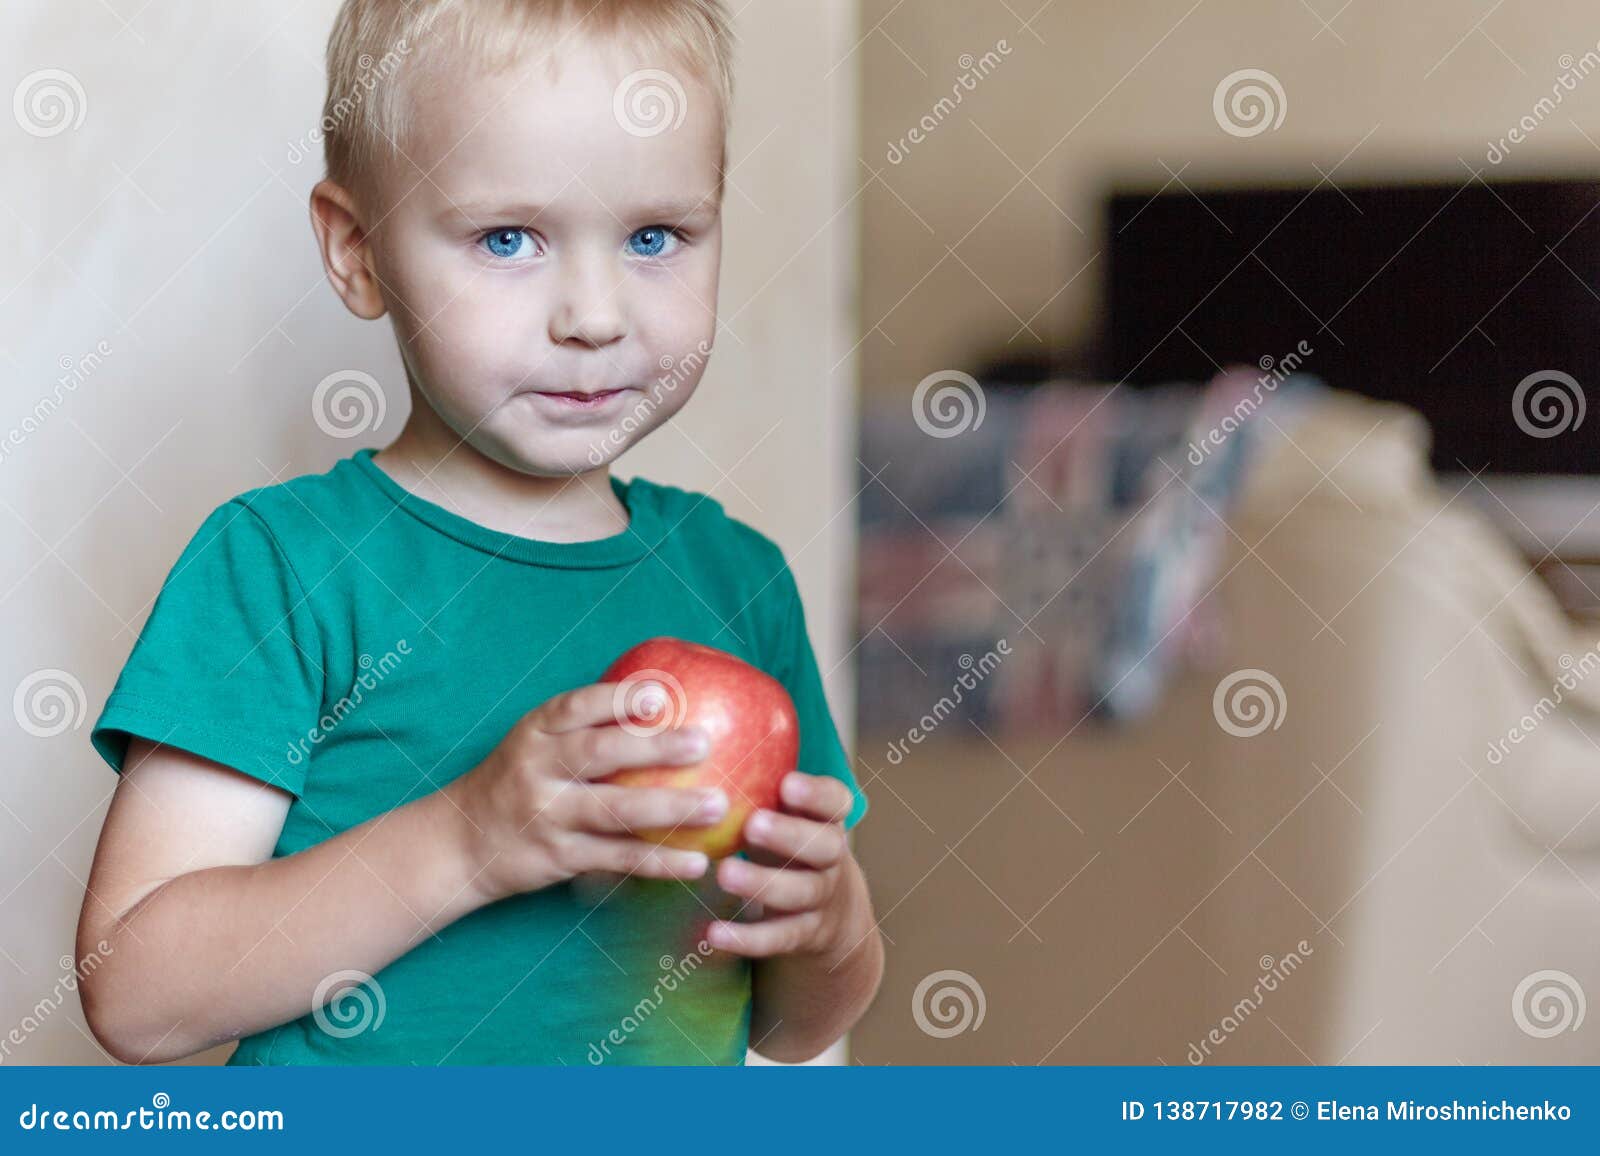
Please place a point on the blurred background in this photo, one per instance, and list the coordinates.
(1199, 522)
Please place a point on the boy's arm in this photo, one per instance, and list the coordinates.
(806, 1002)
(206, 938)
(817, 951)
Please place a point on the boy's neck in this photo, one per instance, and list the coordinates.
(430, 460)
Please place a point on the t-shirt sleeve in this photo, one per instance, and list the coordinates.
(793, 663)
(229, 663)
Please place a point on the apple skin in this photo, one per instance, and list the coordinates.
(747, 715)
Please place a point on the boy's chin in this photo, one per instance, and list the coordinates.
(559, 454)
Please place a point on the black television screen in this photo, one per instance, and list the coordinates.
(1476, 303)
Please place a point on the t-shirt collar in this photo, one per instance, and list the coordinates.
(642, 534)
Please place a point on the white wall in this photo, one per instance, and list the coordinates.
(170, 225)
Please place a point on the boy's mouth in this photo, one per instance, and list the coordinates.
(580, 400)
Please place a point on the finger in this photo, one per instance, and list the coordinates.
(791, 889)
(610, 809)
(782, 936)
(637, 857)
(583, 706)
(596, 752)
(818, 796)
(795, 839)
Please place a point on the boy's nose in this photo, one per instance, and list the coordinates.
(587, 309)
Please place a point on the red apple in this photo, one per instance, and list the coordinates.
(667, 683)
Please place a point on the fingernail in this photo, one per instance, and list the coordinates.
(713, 805)
(697, 863)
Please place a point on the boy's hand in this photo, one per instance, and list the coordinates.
(534, 816)
(796, 872)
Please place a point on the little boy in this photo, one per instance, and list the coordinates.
(361, 735)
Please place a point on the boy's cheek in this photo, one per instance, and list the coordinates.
(467, 364)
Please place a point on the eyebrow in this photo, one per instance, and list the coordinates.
(664, 209)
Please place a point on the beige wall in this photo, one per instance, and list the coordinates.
(1094, 89)
(172, 225)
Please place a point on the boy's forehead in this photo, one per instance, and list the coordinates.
(541, 130)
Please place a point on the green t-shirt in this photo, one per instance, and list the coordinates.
(357, 646)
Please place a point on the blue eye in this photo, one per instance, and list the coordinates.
(652, 241)
(506, 243)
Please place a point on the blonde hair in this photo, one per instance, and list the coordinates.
(382, 53)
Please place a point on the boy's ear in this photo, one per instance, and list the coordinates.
(346, 255)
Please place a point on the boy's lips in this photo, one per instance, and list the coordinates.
(582, 401)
